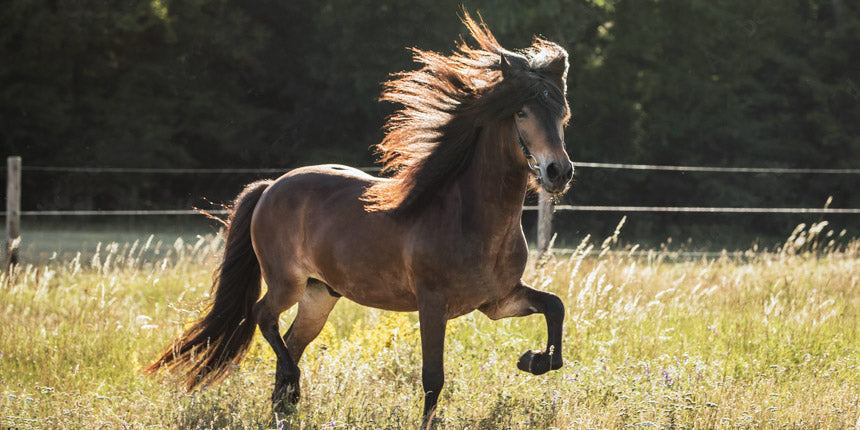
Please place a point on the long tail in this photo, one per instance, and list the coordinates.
(206, 350)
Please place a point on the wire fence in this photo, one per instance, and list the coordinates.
(167, 171)
(375, 169)
(767, 170)
(699, 209)
(543, 207)
(156, 212)
(562, 208)
(582, 208)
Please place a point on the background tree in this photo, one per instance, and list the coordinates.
(206, 83)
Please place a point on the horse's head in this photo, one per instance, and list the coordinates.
(518, 99)
(540, 112)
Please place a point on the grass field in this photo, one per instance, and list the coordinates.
(747, 340)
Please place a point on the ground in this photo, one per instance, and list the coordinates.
(652, 339)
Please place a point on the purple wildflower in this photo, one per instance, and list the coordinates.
(667, 377)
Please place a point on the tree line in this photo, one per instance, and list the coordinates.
(222, 83)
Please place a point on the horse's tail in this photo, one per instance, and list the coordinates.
(206, 350)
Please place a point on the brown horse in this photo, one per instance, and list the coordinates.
(442, 236)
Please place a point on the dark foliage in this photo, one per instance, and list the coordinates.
(178, 83)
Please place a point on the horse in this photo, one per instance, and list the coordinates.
(441, 234)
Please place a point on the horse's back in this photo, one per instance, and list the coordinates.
(331, 176)
(298, 187)
(301, 201)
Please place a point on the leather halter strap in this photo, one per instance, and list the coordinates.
(534, 167)
(530, 159)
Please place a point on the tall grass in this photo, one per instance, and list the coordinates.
(652, 339)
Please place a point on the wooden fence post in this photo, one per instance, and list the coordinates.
(544, 227)
(13, 210)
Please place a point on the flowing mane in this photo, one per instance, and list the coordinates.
(446, 103)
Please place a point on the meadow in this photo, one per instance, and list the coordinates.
(653, 338)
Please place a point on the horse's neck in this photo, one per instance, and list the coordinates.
(493, 186)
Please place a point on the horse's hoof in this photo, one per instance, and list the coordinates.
(286, 386)
(538, 363)
(284, 399)
(286, 393)
(429, 422)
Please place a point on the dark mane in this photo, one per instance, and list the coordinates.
(448, 102)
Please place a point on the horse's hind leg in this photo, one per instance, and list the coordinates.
(523, 301)
(281, 295)
(314, 308)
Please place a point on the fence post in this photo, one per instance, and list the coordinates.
(13, 210)
(544, 227)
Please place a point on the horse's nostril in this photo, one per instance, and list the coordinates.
(553, 171)
(568, 172)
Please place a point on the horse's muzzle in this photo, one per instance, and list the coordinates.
(556, 175)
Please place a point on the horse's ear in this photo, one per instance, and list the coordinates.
(511, 63)
(557, 68)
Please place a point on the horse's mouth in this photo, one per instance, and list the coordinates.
(555, 192)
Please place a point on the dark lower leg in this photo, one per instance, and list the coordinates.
(287, 377)
(432, 380)
(432, 316)
(550, 358)
(287, 373)
(523, 301)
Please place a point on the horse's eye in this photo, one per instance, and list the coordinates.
(521, 114)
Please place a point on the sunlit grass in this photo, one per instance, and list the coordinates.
(748, 340)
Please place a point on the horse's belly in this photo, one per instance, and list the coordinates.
(482, 289)
(382, 297)
(374, 285)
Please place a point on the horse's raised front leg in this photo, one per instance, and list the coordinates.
(523, 301)
(432, 317)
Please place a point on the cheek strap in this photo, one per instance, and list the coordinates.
(530, 159)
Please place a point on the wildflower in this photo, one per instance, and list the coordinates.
(667, 378)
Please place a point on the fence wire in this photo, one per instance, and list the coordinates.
(582, 208)
(168, 171)
(770, 170)
(622, 166)
(562, 208)
(695, 209)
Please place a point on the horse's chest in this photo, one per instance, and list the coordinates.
(503, 269)
(471, 274)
